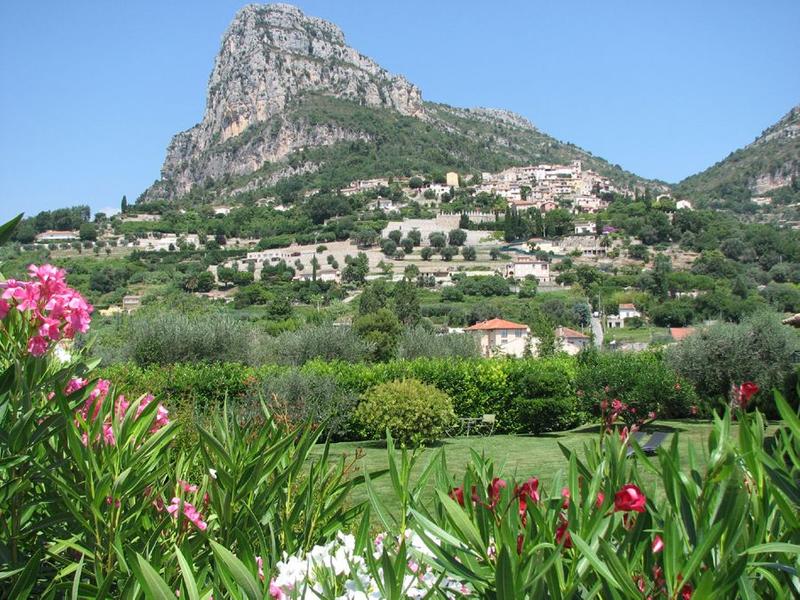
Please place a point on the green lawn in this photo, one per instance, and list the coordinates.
(642, 334)
(519, 456)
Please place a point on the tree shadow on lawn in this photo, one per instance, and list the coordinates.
(596, 428)
(381, 444)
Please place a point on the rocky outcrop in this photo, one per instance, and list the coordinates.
(272, 55)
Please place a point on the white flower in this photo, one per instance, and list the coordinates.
(62, 354)
(213, 473)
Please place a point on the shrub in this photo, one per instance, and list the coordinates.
(167, 337)
(760, 349)
(295, 396)
(539, 415)
(324, 342)
(417, 342)
(413, 412)
(639, 379)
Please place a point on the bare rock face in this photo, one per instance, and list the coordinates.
(271, 55)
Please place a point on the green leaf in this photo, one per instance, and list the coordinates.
(505, 577)
(465, 527)
(76, 581)
(775, 547)
(188, 576)
(594, 560)
(238, 571)
(154, 587)
(8, 228)
(27, 578)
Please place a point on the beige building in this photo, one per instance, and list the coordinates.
(131, 303)
(452, 179)
(51, 236)
(525, 266)
(497, 336)
(570, 341)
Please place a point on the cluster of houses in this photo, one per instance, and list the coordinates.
(546, 187)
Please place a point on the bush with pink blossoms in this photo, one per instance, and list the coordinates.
(94, 493)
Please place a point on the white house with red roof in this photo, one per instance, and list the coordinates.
(498, 336)
(570, 341)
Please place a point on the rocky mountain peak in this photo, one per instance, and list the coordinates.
(270, 56)
(272, 53)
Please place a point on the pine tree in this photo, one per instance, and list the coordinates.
(124, 204)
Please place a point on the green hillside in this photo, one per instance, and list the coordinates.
(758, 169)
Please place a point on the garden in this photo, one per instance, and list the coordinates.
(334, 479)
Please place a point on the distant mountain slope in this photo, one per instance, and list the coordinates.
(288, 97)
(769, 163)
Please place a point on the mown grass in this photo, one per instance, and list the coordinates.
(514, 456)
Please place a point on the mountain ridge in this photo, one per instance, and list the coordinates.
(768, 163)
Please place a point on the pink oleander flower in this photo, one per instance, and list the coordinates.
(276, 592)
(527, 491)
(3, 309)
(260, 564)
(189, 488)
(494, 491)
(75, 384)
(162, 414)
(601, 497)
(37, 346)
(189, 511)
(565, 495)
(629, 498)
(563, 536)
(658, 544)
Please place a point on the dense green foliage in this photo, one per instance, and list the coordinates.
(760, 349)
(412, 412)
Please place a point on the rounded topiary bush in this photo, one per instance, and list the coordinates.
(412, 411)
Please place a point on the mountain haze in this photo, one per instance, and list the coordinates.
(287, 97)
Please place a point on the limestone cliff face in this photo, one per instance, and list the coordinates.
(271, 55)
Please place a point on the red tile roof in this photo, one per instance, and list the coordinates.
(679, 333)
(492, 324)
(628, 306)
(566, 332)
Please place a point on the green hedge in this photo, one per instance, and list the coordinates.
(475, 386)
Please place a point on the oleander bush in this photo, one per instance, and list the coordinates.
(639, 379)
(97, 500)
(413, 413)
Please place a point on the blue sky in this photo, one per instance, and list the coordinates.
(92, 92)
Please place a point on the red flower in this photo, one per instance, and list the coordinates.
(562, 535)
(457, 494)
(686, 592)
(629, 498)
(494, 491)
(520, 540)
(601, 497)
(746, 391)
(658, 544)
(527, 491)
